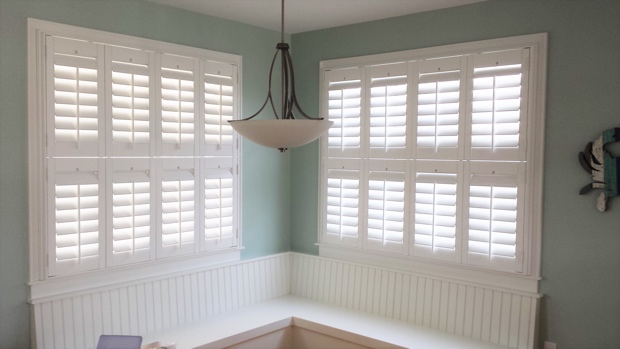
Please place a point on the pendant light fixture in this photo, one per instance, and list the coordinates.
(286, 130)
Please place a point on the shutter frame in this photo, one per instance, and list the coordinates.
(70, 118)
(218, 169)
(128, 228)
(131, 102)
(445, 125)
(348, 230)
(433, 173)
(80, 174)
(490, 175)
(219, 83)
(345, 137)
(387, 89)
(390, 173)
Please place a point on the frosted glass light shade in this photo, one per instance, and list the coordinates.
(281, 134)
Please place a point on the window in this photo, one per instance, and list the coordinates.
(138, 163)
(435, 155)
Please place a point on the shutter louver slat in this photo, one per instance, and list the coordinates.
(219, 108)
(74, 70)
(386, 211)
(436, 213)
(129, 211)
(388, 110)
(439, 93)
(497, 102)
(494, 222)
(177, 105)
(75, 222)
(344, 109)
(343, 207)
(131, 220)
(177, 212)
(219, 228)
(130, 100)
(218, 210)
(178, 207)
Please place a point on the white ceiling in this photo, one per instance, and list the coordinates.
(307, 15)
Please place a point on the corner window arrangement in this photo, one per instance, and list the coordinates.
(133, 160)
(435, 155)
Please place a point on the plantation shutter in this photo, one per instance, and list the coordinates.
(178, 105)
(75, 221)
(386, 207)
(439, 108)
(75, 97)
(344, 106)
(436, 211)
(499, 105)
(178, 207)
(220, 83)
(343, 200)
(388, 111)
(219, 225)
(130, 78)
(494, 217)
(130, 211)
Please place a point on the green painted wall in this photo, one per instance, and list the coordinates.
(266, 172)
(581, 246)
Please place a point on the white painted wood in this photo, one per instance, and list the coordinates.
(150, 306)
(77, 319)
(328, 319)
(488, 313)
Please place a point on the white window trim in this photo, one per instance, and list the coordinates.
(526, 281)
(41, 285)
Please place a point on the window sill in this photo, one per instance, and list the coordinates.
(515, 283)
(63, 286)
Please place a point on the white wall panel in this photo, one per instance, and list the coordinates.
(480, 312)
(493, 315)
(78, 320)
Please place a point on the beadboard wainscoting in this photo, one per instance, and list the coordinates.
(77, 320)
(489, 314)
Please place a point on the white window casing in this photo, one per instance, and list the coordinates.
(132, 161)
(464, 125)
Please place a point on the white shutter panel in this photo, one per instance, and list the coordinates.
(439, 108)
(74, 71)
(499, 106)
(386, 207)
(75, 220)
(219, 204)
(220, 83)
(343, 107)
(130, 211)
(437, 204)
(342, 203)
(495, 215)
(178, 105)
(178, 207)
(129, 80)
(388, 111)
